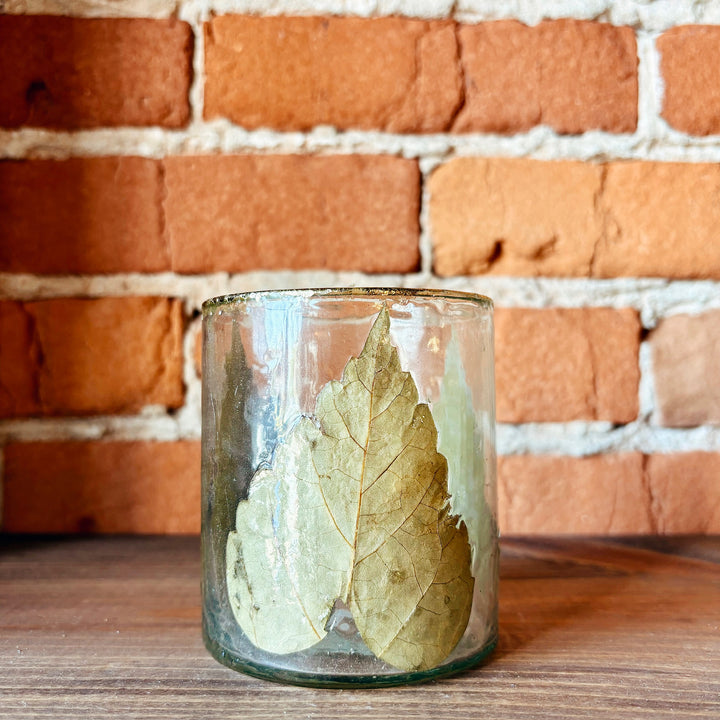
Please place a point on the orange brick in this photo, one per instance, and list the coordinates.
(80, 357)
(597, 495)
(660, 219)
(18, 362)
(572, 75)
(240, 213)
(566, 218)
(69, 73)
(514, 216)
(686, 368)
(686, 492)
(567, 364)
(389, 73)
(102, 487)
(83, 215)
(689, 57)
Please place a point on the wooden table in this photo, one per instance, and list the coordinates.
(110, 627)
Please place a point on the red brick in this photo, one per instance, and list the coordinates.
(18, 362)
(597, 495)
(80, 357)
(70, 73)
(686, 368)
(566, 218)
(686, 492)
(83, 215)
(240, 213)
(567, 364)
(689, 58)
(502, 77)
(572, 75)
(102, 487)
(292, 73)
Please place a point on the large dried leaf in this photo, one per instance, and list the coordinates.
(356, 510)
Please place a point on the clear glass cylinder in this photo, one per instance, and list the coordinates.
(349, 504)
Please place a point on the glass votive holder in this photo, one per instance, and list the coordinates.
(349, 527)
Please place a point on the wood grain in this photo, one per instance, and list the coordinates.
(589, 628)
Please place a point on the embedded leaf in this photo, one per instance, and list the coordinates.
(357, 510)
(233, 432)
(227, 476)
(460, 439)
(285, 564)
(410, 587)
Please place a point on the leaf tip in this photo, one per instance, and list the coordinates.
(379, 333)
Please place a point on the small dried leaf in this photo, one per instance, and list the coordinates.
(285, 564)
(226, 479)
(357, 510)
(460, 439)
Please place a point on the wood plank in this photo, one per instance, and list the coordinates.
(589, 628)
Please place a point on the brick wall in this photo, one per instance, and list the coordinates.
(564, 160)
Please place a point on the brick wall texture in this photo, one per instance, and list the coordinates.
(568, 167)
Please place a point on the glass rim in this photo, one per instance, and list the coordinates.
(360, 292)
